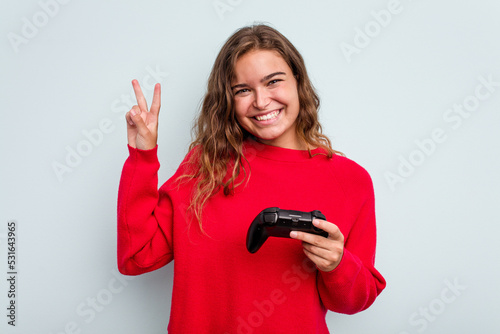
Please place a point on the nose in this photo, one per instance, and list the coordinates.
(261, 99)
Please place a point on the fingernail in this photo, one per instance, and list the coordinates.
(132, 112)
(293, 234)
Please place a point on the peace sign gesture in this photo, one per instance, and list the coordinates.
(142, 125)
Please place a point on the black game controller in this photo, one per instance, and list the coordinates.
(274, 222)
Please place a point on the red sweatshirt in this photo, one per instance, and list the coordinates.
(219, 287)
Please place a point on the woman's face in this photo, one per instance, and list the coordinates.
(265, 98)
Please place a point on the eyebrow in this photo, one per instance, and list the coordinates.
(267, 77)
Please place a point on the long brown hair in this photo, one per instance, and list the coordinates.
(219, 137)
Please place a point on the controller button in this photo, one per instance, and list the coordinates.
(270, 218)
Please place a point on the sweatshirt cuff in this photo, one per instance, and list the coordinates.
(348, 267)
(150, 155)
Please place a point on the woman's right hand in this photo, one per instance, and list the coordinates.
(142, 125)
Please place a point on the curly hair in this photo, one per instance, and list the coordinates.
(218, 162)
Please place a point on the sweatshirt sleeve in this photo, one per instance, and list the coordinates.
(144, 216)
(355, 283)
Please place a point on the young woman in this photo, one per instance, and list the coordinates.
(258, 144)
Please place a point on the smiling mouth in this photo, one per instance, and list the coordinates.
(269, 116)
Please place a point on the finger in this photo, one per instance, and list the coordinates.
(313, 239)
(317, 259)
(321, 263)
(332, 229)
(135, 116)
(331, 254)
(132, 112)
(128, 117)
(131, 130)
(141, 100)
(155, 105)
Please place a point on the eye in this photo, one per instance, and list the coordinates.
(273, 82)
(244, 90)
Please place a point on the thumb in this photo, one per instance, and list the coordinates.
(135, 117)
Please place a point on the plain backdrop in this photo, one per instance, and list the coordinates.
(409, 89)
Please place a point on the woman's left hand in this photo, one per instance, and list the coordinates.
(326, 253)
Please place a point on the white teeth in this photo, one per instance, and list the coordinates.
(268, 116)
